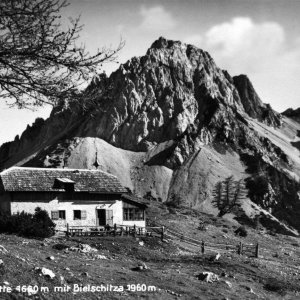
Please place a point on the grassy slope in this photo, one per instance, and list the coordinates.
(173, 265)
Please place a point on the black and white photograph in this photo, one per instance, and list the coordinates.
(149, 149)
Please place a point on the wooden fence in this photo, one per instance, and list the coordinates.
(240, 248)
(116, 230)
(162, 233)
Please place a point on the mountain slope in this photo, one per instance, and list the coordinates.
(170, 125)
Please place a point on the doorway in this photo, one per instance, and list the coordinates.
(101, 217)
(104, 217)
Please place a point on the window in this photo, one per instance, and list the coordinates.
(79, 214)
(54, 215)
(133, 214)
(58, 215)
(62, 214)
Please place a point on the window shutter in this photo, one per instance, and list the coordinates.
(54, 215)
(83, 215)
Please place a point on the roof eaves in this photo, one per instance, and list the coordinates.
(128, 198)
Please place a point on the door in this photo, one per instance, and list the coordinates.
(101, 217)
(104, 217)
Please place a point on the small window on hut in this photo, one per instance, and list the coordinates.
(55, 215)
(62, 214)
(133, 214)
(58, 215)
(79, 214)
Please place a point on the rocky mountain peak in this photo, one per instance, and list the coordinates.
(162, 42)
(156, 97)
(252, 104)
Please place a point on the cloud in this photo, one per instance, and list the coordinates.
(259, 50)
(244, 41)
(156, 18)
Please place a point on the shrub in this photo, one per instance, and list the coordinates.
(38, 225)
(3, 222)
(241, 231)
(202, 226)
(17, 223)
(43, 226)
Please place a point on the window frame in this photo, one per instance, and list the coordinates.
(133, 214)
(64, 214)
(74, 214)
(83, 214)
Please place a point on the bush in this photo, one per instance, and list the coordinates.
(43, 226)
(202, 226)
(38, 225)
(241, 231)
(3, 222)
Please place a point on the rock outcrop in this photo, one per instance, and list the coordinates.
(292, 113)
(253, 105)
(158, 97)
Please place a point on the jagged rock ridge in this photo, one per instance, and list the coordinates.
(253, 105)
(292, 113)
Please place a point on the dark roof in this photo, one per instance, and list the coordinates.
(18, 179)
(134, 199)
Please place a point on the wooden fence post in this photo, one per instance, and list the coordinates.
(162, 233)
(202, 247)
(115, 229)
(134, 228)
(68, 229)
(240, 248)
(257, 250)
(121, 230)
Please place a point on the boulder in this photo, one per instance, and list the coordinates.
(208, 277)
(215, 257)
(46, 272)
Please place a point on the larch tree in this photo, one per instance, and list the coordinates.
(40, 60)
(228, 194)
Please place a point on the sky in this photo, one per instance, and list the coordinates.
(259, 38)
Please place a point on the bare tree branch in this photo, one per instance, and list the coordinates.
(39, 61)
